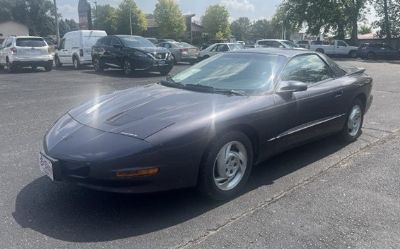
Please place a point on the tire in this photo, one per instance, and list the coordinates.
(49, 67)
(371, 55)
(76, 63)
(98, 65)
(10, 68)
(165, 72)
(174, 60)
(57, 62)
(127, 67)
(211, 182)
(354, 120)
(353, 54)
(320, 50)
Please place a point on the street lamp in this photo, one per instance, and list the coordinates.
(57, 24)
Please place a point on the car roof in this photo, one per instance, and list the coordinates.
(280, 40)
(27, 36)
(276, 51)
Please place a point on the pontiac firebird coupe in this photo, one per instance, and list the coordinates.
(208, 125)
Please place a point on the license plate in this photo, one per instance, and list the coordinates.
(161, 63)
(46, 166)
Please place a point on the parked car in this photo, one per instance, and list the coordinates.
(131, 53)
(166, 40)
(208, 125)
(76, 48)
(25, 51)
(153, 40)
(275, 43)
(334, 47)
(377, 50)
(218, 48)
(303, 44)
(182, 51)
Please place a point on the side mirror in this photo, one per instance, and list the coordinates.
(292, 86)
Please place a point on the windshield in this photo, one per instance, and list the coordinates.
(136, 42)
(185, 45)
(290, 44)
(30, 42)
(89, 41)
(234, 71)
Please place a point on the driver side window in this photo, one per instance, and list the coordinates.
(62, 44)
(308, 69)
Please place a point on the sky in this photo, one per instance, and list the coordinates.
(253, 9)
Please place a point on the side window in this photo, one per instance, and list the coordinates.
(62, 44)
(8, 42)
(107, 41)
(276, 44)
(222, 48)
(266, 44)
(214, 49)
(341, 44)
(115, 41)
(306, 68)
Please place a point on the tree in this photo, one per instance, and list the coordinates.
(241, 28)
(67, 25)
(129, 10)
(169, 18)
(364, 29)
(106, 18)
(216, 21)
(264, 29)
(389, 18)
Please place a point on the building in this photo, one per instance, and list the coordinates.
(85, 15)
(9, 28)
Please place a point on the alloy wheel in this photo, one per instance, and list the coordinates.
(127, 67)
(354, 121)
(230, 165)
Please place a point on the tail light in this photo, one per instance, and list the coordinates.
(81, 52)
(14, 50)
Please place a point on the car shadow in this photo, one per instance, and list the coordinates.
(25, 70)
(74, 214)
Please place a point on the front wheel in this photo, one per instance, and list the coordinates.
(226, 166)
(127, 66)
(98, 65)
(49, 67)
(57, 62)
(76, 63)
(355, 118)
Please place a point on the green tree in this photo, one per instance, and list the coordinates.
(105, 18)
(169, 19)
(129, 10)
(216, 21)
(264, 29)
(241, 28)
(388, 21)
(364, 29)
(67, 25)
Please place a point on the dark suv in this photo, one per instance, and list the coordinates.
(377, 50)
(131, 53)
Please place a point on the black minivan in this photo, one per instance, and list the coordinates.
(131, 53)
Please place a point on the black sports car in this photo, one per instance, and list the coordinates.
(207, 125)
(131, 53)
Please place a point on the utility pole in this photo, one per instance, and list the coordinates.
(57, 24)
(130, 18)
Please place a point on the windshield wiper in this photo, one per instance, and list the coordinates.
(170, 82)
(215, 90)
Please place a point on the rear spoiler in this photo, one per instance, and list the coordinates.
(354, 70)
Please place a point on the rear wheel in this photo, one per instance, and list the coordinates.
(165, 72)
(353, 54)
(98, 65)
(320, 50)
(49, 67)
(355, 118)
(76, 63)
(57, 61)
(10, 68)
(226, 166)
(127, 66)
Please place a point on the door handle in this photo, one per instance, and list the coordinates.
(338, 94)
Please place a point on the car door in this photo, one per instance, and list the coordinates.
(319, 109)
(341, 48)
(116, 51)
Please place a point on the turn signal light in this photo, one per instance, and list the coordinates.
(138, 173)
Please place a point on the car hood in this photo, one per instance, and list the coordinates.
(143, 111)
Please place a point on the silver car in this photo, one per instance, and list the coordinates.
(25, 51)
(182, 51)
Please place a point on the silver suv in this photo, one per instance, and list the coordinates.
(25, 51)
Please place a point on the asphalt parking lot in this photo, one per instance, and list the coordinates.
(323, 195)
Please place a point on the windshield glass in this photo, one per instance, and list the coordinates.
(136, 42)
(235, 46)
(89, 41)
(30, 42)
(290, 44)
(234, 71)
(185, 45)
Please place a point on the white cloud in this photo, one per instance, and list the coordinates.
(239, 5)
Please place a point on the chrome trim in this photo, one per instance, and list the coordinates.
(306, 126)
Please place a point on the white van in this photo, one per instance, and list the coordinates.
(76, 47)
